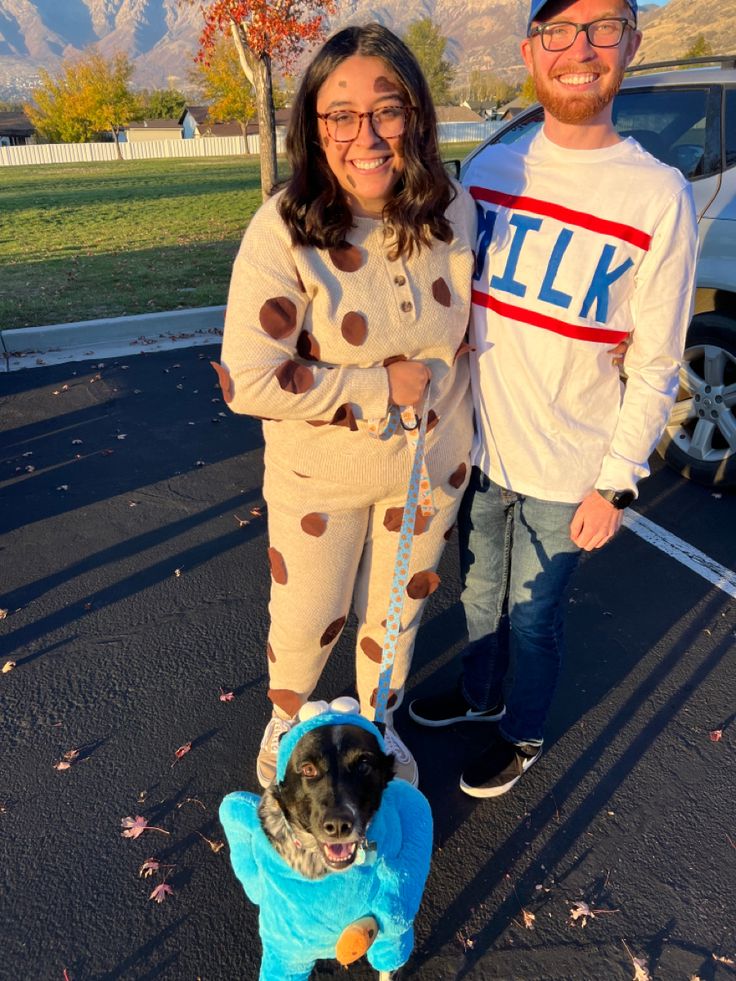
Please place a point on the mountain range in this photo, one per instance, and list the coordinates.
(160, 36)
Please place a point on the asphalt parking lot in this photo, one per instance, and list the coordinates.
(134, 574)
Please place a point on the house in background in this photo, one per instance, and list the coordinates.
(151, 130)
(195, 124)
(457, 114)
(512, 108)
(485, 108)
(15, 129)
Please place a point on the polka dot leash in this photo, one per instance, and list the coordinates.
(418, 495)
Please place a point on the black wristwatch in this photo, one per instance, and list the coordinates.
(619, 499)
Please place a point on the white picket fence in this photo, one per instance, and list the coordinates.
(55, 153)
(213, 146)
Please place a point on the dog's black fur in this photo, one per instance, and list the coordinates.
(318, 815)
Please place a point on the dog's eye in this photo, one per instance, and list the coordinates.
(364, 765)
(309, 770)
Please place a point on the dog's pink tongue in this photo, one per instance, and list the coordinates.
(338, 853)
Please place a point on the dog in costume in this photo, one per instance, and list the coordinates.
(336, 852)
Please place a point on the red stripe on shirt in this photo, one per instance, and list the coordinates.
(577, 332)
(580, 218)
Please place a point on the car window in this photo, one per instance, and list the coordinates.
(730, 128)
(524, 127)
(671, 124)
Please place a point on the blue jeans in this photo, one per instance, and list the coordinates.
(516, 558)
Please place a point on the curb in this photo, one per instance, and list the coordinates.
(109, 337)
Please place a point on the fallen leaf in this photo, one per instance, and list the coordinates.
(640, 964)
(122, 436)
(3, 614)
(61, 765)
(71, 755)
(63, 487)
(29, 468)
(181, 751)
(215, 845)
(227, 696)
(134, 827)
(715, 735)
(76, 442)
(177, 572)
(161, 891)
(242, 522)
(148, 868)
(581, 911)
(724, 960)
(8, 666)
(529, 919)
(256, 511)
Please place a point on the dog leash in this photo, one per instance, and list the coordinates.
(418, 496)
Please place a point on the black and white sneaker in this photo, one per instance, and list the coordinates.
(451, 707)
(498, 768)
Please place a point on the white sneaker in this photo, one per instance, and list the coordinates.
(266, 762)
(405, 766)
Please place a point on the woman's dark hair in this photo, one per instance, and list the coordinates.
(313, 204)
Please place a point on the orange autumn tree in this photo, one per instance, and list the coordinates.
(263, 31)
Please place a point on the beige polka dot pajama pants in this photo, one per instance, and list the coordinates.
(330, 544)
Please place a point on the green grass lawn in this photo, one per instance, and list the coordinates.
(80, 241)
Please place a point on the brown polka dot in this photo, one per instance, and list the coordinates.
(354, 328)
(345, 417)
(296, 473)
(307, 346)
(464, 348)
(371, 649)
(394, 516)
(278, 317)
(394, 359)
(391, 699)
(300, 282)
(448, 533)
(332, 631)
(294, 377)
(314, 524)
(288, 701)
(346, 258)
(432, 420)
(422, 584)
(317, 422)
(271, 655)
(278, 566)
(441, 292)
(457, 478)
(226, 383)
(383, 84)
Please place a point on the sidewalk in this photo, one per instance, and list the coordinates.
(110, 337)
(134, 572)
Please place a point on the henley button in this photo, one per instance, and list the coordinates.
(400, 280)
(406, 306)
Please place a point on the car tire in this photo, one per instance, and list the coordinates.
(699, 440)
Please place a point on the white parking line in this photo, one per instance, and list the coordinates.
(688, 555)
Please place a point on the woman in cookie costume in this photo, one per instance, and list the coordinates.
(349, 302)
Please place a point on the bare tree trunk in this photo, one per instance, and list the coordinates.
(257, 69)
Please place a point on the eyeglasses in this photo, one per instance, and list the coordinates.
(343, 125)
(561, 35)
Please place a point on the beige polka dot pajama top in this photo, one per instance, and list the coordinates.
(308, 333)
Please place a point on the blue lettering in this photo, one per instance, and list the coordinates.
(486, 221)
(602, 280)
(506, 282)
(548, 293)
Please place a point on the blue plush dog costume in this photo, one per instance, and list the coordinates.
(301, 919)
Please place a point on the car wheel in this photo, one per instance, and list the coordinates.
(699, 440)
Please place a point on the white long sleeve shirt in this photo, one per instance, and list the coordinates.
(576, 250)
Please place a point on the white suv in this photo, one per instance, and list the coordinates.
(687, 119)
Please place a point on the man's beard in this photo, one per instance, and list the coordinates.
(572, 107)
